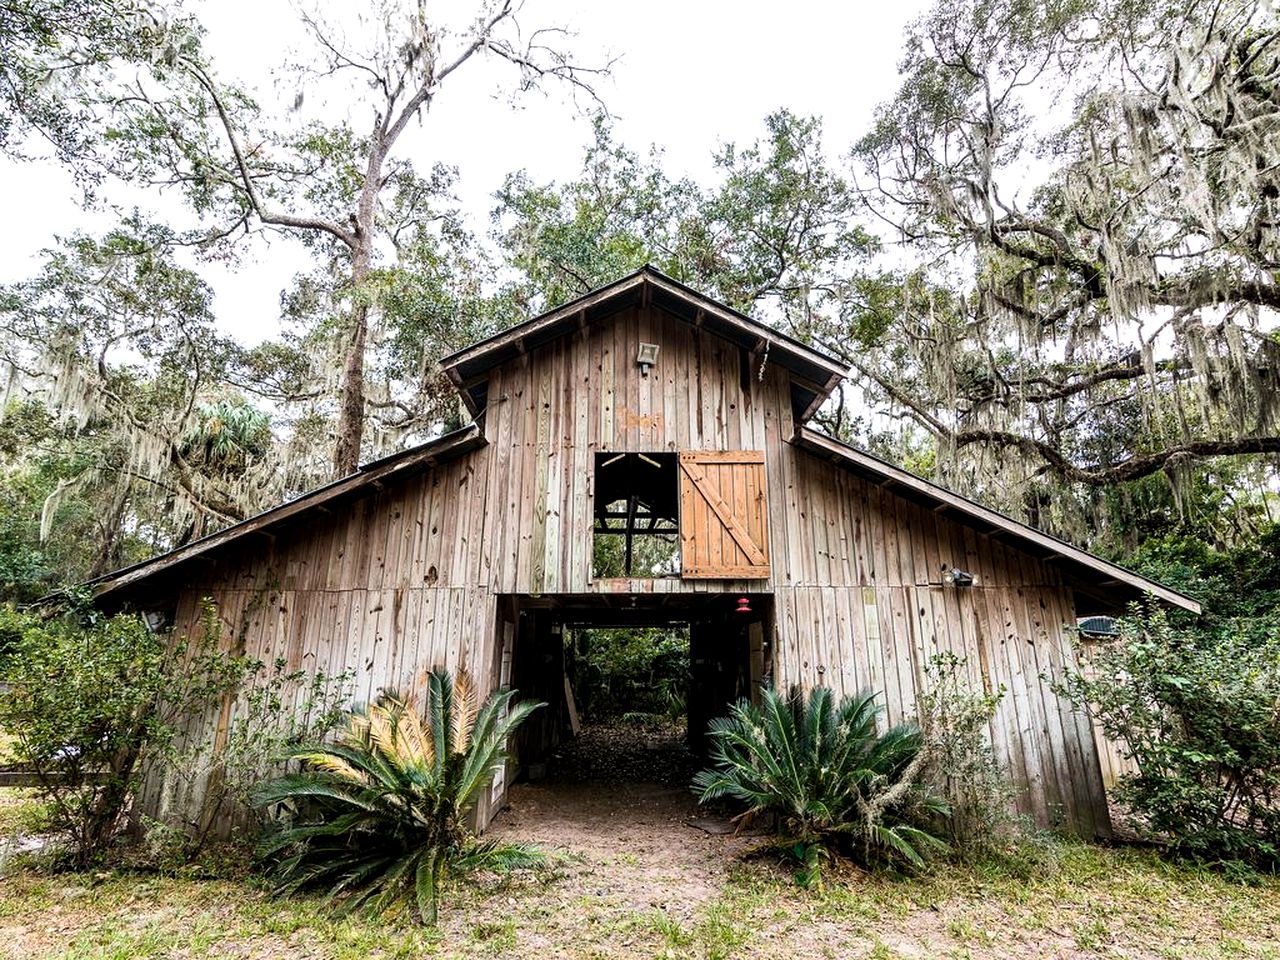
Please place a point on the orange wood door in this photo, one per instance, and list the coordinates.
(724, 523)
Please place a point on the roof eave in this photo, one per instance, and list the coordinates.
(371, 474)
(1115, 577)
(515, 334)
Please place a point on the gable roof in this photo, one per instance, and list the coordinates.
(813, 374)
(374, 473)
(1100, 585)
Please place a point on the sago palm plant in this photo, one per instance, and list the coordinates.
(824, 771)
(381, 814)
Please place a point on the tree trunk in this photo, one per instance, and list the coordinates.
(346, 451)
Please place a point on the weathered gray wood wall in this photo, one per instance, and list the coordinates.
(862, 602)
(408, 577)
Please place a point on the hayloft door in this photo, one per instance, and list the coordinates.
(724, 530)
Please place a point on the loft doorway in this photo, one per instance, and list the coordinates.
(631, 682)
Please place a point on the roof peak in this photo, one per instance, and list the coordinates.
(813, 372)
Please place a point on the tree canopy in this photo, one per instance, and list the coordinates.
(1048, 261)
(1087, 193)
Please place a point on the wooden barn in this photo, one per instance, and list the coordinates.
(638, 416)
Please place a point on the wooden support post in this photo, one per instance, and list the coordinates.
(574, 724)
(630, 534)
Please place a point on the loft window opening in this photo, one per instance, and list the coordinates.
(636, 532)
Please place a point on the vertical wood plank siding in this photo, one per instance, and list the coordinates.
(408, 577)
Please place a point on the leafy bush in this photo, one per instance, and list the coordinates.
(1197, 713)
(627, 670)
(381, 814)
(1239, 587)
(828, 776)
(963, 767)
(277, 711)
(93, 702)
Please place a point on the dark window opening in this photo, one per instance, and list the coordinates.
(637, 511)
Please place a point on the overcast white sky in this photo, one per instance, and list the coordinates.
(692, 74)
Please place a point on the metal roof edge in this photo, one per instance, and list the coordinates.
(620, 286)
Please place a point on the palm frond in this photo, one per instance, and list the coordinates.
(499, 857)
(440, 710)
(378, 817)
(464, 710)
(382, 729)
(332, 763)
(416, 742)
(823, 769)
(487, 751)
(425, 890)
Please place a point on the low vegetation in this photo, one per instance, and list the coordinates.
(380, 816)
(93, 703)
(962, 766)
(94, 706)
(1076, 901)
(832, 781)
(1197, 713)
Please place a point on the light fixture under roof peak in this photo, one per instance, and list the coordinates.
(647, 357)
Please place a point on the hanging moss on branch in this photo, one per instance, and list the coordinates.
(1092, 297)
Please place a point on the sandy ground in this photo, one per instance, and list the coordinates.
(650, 831)
(619, 799)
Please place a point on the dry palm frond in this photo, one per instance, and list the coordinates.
(335, 765)
(415, 738)
(382, 729)
(357, 729)
(464, 711)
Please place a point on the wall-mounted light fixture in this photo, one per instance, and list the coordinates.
(961, 578)
(647, 357)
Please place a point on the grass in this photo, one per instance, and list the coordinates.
(1099, 903)
(19, 811)
(1069, 900)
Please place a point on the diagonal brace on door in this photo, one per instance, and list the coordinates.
(725, 514)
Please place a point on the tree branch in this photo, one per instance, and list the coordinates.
(272, 217)
(1134, 468)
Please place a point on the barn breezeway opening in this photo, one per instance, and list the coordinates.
(630, 681)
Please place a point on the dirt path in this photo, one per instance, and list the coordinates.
(619, 799)
(645, 845)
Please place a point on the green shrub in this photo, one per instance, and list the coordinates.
(1199, 714)
(277, 711)
(382, 813)
(94, 702)
(628, 670)
(963, 766)
(829, 777)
